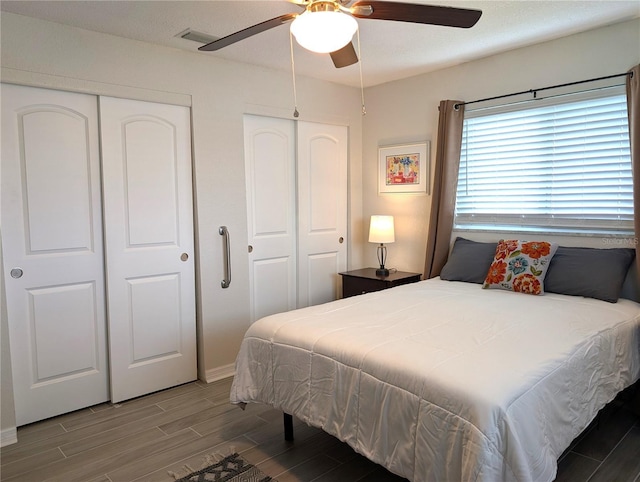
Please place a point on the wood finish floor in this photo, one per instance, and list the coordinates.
(146, 438)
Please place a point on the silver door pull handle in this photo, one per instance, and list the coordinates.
(226, 250)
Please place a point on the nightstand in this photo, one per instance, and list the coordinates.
(365, 280)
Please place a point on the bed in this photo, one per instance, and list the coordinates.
(442, 380)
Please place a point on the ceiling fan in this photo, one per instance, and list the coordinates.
(327, 26)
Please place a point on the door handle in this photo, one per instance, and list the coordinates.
(226, 250)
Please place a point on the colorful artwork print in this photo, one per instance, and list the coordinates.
(403, 169)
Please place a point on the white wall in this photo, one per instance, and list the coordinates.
(407, 111)
(47, 54)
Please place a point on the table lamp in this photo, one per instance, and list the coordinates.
(381, 231)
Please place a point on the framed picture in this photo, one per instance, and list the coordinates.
(403, 168)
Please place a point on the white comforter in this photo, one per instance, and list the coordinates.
(444, 381)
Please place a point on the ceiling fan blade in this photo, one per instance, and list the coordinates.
(345, 56)
(416, 13)
(247, 32)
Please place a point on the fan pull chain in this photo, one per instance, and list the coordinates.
(364, 110)
(293, 74)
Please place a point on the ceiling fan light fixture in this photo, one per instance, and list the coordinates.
(324, 31)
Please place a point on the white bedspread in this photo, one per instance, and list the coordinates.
(444, 381)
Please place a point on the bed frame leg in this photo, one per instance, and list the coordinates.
(288, 427)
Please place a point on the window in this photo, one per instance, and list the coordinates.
(554, 165)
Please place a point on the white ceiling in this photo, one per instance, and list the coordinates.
(389, 51)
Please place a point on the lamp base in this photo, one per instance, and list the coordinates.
(382, 258)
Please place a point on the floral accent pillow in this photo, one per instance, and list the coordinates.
(520, 266)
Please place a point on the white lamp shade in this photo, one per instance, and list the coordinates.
(381, 229)
(324, 31)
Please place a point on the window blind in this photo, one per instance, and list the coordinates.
(558, 165)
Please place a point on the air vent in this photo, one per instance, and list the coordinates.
(201, 38)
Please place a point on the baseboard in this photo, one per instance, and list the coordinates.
(220, 373)
(8, 436)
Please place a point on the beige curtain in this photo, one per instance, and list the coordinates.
(633, 107)
(443, 199)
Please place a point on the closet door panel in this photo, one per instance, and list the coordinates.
(151, 180)
(155, 308)
(66, 314)
(270, 179)
(322, 211)
(70, 190)
(321, 270)
(52, 251)
(147, 190)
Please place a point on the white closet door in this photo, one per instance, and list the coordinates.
(322, 211)
(52, 245)
(271, 210)
(147, 191)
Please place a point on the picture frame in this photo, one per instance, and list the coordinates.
(404, 168)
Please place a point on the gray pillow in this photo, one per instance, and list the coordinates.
(590, 272)
(469, 261)
(631, 288)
